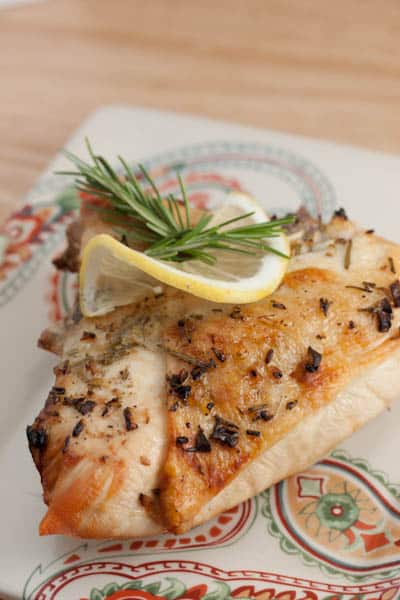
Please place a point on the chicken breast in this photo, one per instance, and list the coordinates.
(170, 411)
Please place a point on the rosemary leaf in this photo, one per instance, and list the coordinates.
(140, 214)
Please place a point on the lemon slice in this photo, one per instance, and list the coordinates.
(113, 274)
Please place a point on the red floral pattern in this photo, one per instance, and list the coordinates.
(167, 580)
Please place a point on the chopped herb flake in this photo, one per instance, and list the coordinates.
(201, 443)
(198, 371)
(37, 437)
(129, 423)
(83, 406)
(341, 214)
(324, 305)
(314, 360)
(347, 254)
(260, 412)
(278, 305)
(219, 354)
(66, 444)
(78, 428)
(276, 373)
(182, 391)
(253, 433)
(58, 390)
(384, 315)
(181, 439)
(395, 292)
(225, 432)
(237, 313)
(269, 356)
(88, 335)
(290, 405)
(113, 403)
(366, 286)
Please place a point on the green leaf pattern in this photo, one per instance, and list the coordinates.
(173, 590)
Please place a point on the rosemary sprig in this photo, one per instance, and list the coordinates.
(166, 230)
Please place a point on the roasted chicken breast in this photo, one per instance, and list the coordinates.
(167, 412)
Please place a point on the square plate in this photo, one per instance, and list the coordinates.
(276, 545)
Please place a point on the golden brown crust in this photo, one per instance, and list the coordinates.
(242, 405)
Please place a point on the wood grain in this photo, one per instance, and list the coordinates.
(324, 69)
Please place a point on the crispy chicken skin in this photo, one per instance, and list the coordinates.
(170, 411)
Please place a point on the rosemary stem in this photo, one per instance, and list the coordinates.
(165, 225)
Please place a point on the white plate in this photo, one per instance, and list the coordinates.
(271, 546)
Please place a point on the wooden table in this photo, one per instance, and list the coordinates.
(315, 67)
